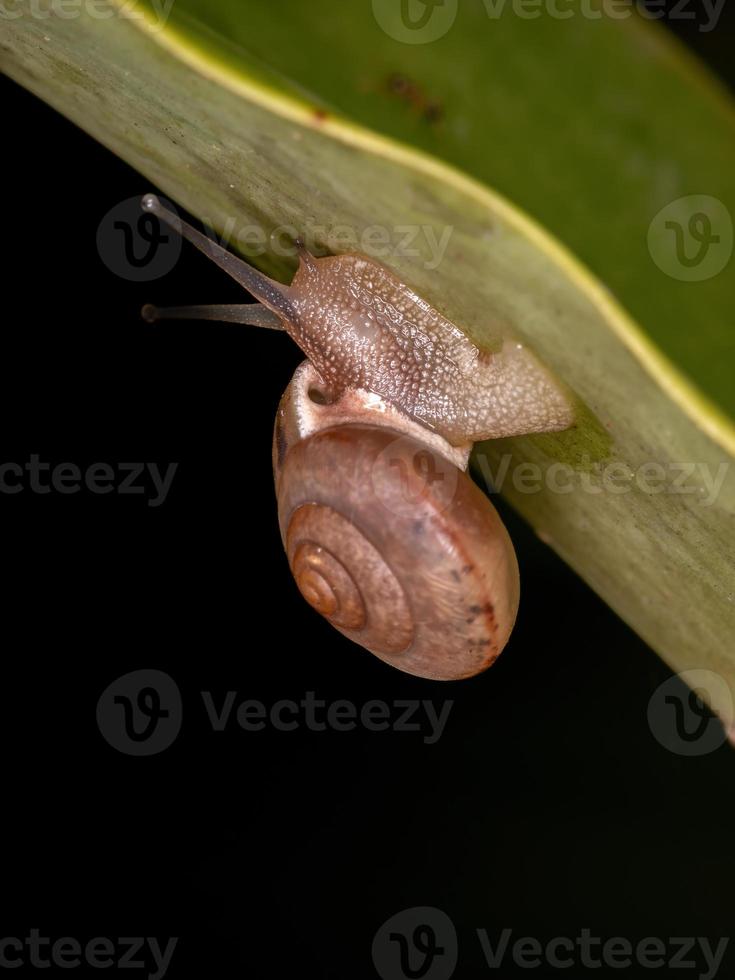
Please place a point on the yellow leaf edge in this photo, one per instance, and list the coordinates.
(707, 416)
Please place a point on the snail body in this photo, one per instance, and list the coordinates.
(361, 327)
(385, 533)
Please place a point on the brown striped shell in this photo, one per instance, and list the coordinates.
(385, 533)
(398, 549)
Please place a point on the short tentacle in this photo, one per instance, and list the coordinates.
(249, 314)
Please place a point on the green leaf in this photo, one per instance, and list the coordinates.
(297, 118)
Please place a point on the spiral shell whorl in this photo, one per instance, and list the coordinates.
(326, 584)
(398, 549)
(343, 576)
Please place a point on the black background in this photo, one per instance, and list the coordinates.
(546, 807)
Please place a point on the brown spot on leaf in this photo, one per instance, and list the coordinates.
(414, 96)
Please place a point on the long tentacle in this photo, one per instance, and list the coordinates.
(272, 294)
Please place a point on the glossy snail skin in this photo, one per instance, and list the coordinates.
(361, 327)
(385, 534)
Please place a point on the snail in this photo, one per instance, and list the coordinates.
(385, 533)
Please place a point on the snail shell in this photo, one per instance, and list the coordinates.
(398, 549)
(385, 533)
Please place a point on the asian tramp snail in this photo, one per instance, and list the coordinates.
(385, 533)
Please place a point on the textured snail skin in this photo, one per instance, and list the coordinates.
(386, 535)
(409, 560)
(364, 329)
(361, 327)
